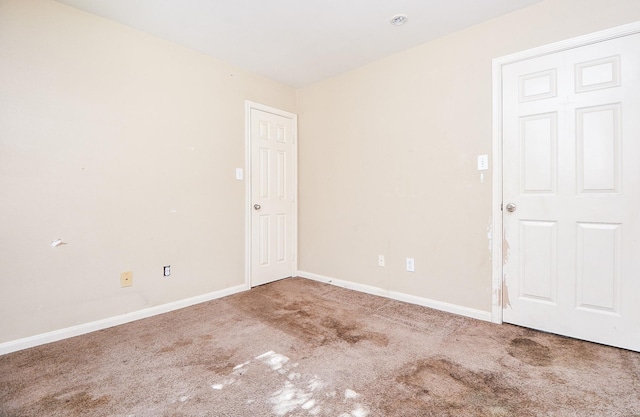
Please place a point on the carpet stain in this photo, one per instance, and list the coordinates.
(34, 358)
(575, 353)
(176, 346)
(440, 387)
(10, 390)
(529, 351)
(218, 361)
(221, 368)
(352, 333)
(313, 321)
(76, 403)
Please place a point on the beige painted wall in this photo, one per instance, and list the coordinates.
(104, 132)
(124, 146)
(388, 156)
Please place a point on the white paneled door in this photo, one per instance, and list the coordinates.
(571, 192)
(273, 179)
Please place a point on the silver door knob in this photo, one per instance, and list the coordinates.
(511, 207)
(257, 206)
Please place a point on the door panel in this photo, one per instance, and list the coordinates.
(538, 260)
(598, 149)
(598, 267)
(571, 152)
(539, 161)
(272, 197)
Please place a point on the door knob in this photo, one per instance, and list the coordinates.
(511, 207)
(257, 206)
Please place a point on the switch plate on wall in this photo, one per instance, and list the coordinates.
(483, 162)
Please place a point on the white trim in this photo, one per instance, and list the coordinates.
(498, 63)
(407, 298)
(249, 105)
(496, 198)
(56, 335)
(589, 39)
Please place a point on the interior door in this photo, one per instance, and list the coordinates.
(571, 192)
(273, 173)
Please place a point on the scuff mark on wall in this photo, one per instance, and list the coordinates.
(505, 248)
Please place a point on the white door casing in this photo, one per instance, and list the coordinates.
(271, 194)
(569, 136)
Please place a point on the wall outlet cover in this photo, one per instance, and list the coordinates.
(126, 279)
(411, 266)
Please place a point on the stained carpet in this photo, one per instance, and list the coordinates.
(301, 348)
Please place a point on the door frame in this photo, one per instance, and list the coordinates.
(248, 106)
(498, 257)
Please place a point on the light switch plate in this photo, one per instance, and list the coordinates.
(483, 162)
(239, 174)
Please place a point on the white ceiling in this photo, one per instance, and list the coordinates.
(298, 42)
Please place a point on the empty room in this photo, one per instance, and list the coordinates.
(319, 208)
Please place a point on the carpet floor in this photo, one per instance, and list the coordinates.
(301, 348)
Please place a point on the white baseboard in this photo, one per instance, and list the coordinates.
(407, 298)
(54, 336)
(41, 339)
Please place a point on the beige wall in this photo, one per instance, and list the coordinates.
(104, 131)
(388, 156)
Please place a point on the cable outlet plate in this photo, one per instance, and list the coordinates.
(381, 260)
(126, 279)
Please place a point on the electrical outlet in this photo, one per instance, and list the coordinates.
(411, 267)
(166, 271)
(380, 260)
(126, 279)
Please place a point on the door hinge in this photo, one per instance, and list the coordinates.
(501, 206)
